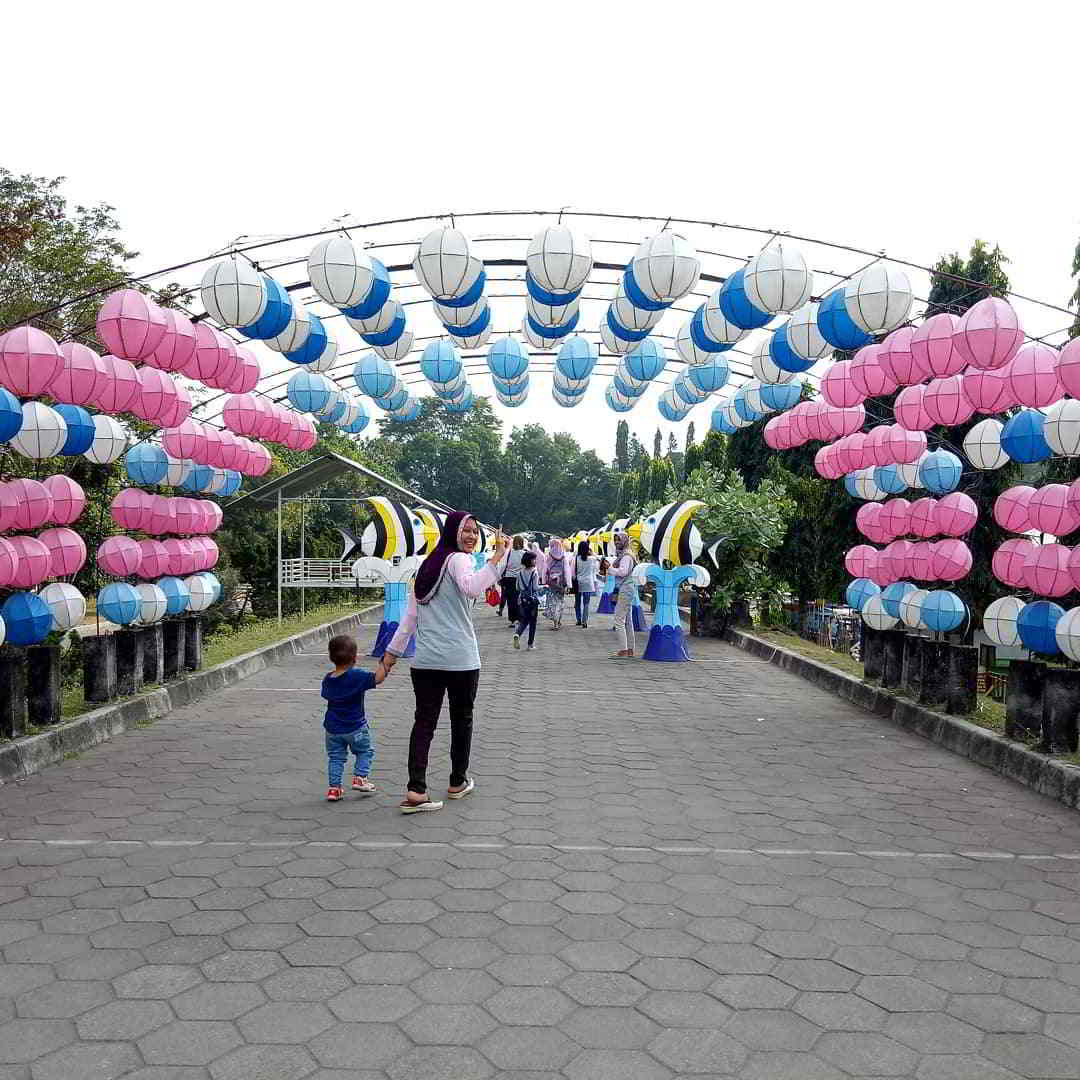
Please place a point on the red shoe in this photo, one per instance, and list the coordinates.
(363, 785)
(333, 794)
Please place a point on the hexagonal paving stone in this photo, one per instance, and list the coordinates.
(753, 991)
(249, 965)
(603, 1028)
(772, 1029)
(788, 1065)
(1034, 1055)
(375, 1045)
(742, 959)
(678, 1008)
(285, 1022)
(124, 1020)
(217, 1001)
(528, 970)
(264, 1062)
(815, 975)
(603, 988)
(26, 1040)
(697, 1051)
(435, 1063)
(840, 1012)
(529, 1005)
(189, 1042)
(615, 1065)
(305, 984)
(901, 993)
(157, 981)
(671, 973)
(447, 1024)
(866, 1054)
(386, 967)
(529, 1048)
(88, 1061)
(962, 1067)
(374, 1003)
(405, 911)
(63, 999)
(600, 956)
(930, 1033)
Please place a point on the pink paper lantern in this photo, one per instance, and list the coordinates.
(162, 518)
(153, 560)
(956, 514)
(9, 562)
(29, 361)
(309, 436)
(130, 508)
(292, 436)
(922, 519)
(1008, 562)
(67, 551)
(187, 515)
(877, 443)
(896, 558)
(946, 403)
(869, 377)
(905, 447)
(119, 389)
(920, 561)
(177, 345)
(1069, 367)
(882, 574)
(119, 556)
(211, 553)
(1046, 570)
(209, 356)
(261, 461)
(771, 433)
(82, 373)
(1074, 566)
(35, 505)
(989, 390)
(989, 334)
(177, 408)
(932, 346)
(212, 448)
(156, 392)
(1033, 375)
(838, 388)
(910, 411)
(180, 556)
(230, 363)
(868, 522)
(186, 441)
(1050, 510)
(68, 499)
(1011, 508)
(241, 413)
(131, 324)
(9, 508)
(852, 419)
(858, 451)
(950, 560)
(898, 361)
(215, 514)
(861, 560)
(824, 463)
(248, 373)
(896, 517)
(797, 432)
(33, 561)
(232, 452)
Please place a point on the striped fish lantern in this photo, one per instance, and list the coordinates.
(669, 534)
(394, 531)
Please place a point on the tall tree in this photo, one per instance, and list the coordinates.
(637, 452)
(957, 283)
(672, 444)
(689, 435)
(657, 443)
(622, 446)
(1074, 300)
(661, 480)
(643, 488)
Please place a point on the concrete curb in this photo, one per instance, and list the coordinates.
(24, 757)
(1056, 779)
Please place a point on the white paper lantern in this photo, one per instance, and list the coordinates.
(43, 432)
(631, 317)
(911, 609)
(909, 474)
(637, 385)
(866, 487)
(177, 471)
(537, 342)
(444, 266)
(110, 440)
(397, 350)
(684, 345)
(152, 603)
(751, 391)
(672, 407)
(1061, 428)
(327, 358)
(551, 314)
(686, 394)
(612, 343)
(733, 418)
(716, 326)
(879, 298)
(460, 316)
(567, 401)
(67, 604)
(803, 334)
(777, 279)
(559, 260)
(1000, 621)
(875, 616)
(570, 386)
(202, 592)
(666, 267)
(234, 293)
(982, 444)
(378, 323)
(1067, 633)
(295, 334)
(219, 481)
(763, 367)
(338, 273)
(478, 341)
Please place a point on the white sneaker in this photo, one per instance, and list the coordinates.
(517, 641)
(531, 648)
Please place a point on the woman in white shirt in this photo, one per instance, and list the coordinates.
(585, 570)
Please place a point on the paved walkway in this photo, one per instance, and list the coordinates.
(707, 869)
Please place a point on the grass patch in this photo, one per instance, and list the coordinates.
(792, 642)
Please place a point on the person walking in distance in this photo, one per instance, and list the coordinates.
(508, 582)
(585, 568)
(556, 578)
(622, 568)
(528, 597)
(447, 660)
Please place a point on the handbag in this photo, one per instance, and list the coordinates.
(493, 596)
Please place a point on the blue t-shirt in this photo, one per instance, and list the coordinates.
(344, 695)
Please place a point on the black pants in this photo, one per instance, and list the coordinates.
(509, 598)
(528, 613)
(430, 686)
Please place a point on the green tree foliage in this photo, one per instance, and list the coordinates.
(642, 493)
(658, 440)
(695, 456)
(627, 493)
(661, 480)
(957, 283)
(714, 449)
(637, 452)
(1074, 300)
(622, 447)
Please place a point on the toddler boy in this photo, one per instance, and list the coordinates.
(345, 723)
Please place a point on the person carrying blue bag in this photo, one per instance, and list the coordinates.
(528, 598)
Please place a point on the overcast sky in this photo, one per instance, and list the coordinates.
(911, 128)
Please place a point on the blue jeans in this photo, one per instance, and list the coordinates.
(337, 750)
(581, 607)
(528, 611)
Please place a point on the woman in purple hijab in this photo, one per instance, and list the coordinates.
(447, 660)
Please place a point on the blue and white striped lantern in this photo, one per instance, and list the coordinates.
(576, 357)
(686, 347)
(574, 388)
(513, 398)
(359, 421)
(743, 407)
(309, 391)
(617, 345)
(710, 376)
(276, 315)
(444, 266)
(314, 343)
(345, 278)
(621, 332)
(146, 464)
(618, 402)
(464, 405)
(476, 341)
(295, 333)
(333, 408)
(395, 401)
(879, 298)
(409, 410)
(535, 291)
(751, 392)
(665, 268)
(779, 397)
(507, 358)
(628, 386)
(374, 376)
(440, 362)
(836, 325)
(646, 360)
(671, 407)
(396, 350)
(736, 307)
(567, 401)
(688, 393)
(777, 279)
(233, 292)
(559, 259)
(534, 339)
(510, 386)
(199, 478)
(720, 421)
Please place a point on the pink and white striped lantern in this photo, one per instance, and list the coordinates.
(932, 346)
(898, 361)
(33, 561)
(67, 551)
(989, 390)
(896, 517)
(910, 411)
(869, 377)
(920, 561)
(1008, 562)
(131, 507)
(1050, 511)
(956, 514)
(119, 556)
(861, 561)
(922, 518)
(34, 501)
(82, 373)
(9, 562)
(946, 403)
(1068, 369)
(1011, 508)
(868, 522)
(153, 560)
(896, 559)
(1046, 570)
(29, 361)
(68, 499)
(1033, 375)
(131, 324)
(838, 388)
(186, 441)
(950, 560)
(177, 345)
(989, 334)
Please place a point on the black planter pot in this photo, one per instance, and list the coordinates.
(43, 685)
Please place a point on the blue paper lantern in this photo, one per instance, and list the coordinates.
(699, 336)
(783, 355)
(440, 362)
(668, 411)
(308, 391)
(1022, 437)
(80, 430)
(377, 295)
(275, 316)
(711, 376)
(892, 596)
(232, 483)
(736, 308)
(550, 333)
(636, 295)
(621, 332)
(477, 326)
(849, 484)
(462, 406)
(146, 464)
(859, 591)
(374, 376)
(176, 593)
(626, 389)
(1036, 624)
(940, 471)
(27, 617)
(617, 403)
(411, 412)
(836, 325)
(646, 361)
(888, 478)
(545, 296)
(119, 603)
(507, 358)
(686, 392)
(576, 358)
(943, 611)
(510, 386)
(313, 347)
(388, 336)
(470, 296)
(199, 479)
(11, 416)
(358, 424)
(335, 408)
(721, 423)
(394, 401)
(743, 409)
(780, 396)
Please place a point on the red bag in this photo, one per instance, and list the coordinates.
(493, 596)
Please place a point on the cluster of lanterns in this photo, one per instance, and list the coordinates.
(149, 602)
(558, 263)
(454, 278)
(122, 557)
(574, 363)
(378, 379)
(445, 373)
(249, 415)
(635, 371)
(157, 515)
(508, 362)
(315, 393)
(1041, 626)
